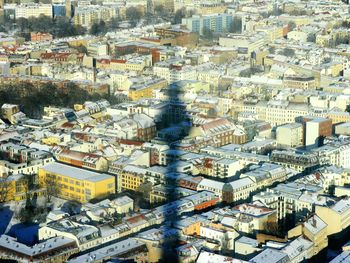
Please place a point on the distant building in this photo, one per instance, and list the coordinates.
(38, 36)
(213, 22)
(33, 10)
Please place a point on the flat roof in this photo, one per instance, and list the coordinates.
(75, 173)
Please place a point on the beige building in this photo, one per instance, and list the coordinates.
(33, 10)
(290, 135)
(337, 216)
(86, 16)
(315, 230)
(245, 44)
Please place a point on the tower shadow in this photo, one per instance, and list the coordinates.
(174, 126)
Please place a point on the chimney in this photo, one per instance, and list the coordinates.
(314, 223)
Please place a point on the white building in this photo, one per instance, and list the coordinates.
(33, 10)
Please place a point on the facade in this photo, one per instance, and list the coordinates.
(33, 10)
(86, 16)
(214, 22)
(75, 183)
(336, 216)
(57, 249)
(299, 82)
(290, 135)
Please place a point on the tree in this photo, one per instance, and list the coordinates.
(33, 99)
(52, 187)
(81, 49)
(297, 12)
(98, 28)
(272, 50)
(5, 188)
(207, 33)
(236, 26)
(291, 25)
(133, 14)
(22, 24)
(41, 24)
(179, 14)
(273, 228)
(145, 189)
(341, 40)
(28, 212)
(288, 52)
(114, 23)
(311, 37)
(326, 60)
(161, 11)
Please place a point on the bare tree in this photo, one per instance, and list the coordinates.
(5, 188)
(145, 188)
(52, 186)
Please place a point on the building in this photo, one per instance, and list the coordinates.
(33, 10)
(315, 230)
(86, 16)
(315, 130)
(145, 88)
(83, 160)
(290, 135)
(299, 82)
(38, 36)
(271, 255)
(126, 249)
(343, 129)
(337, 216)
(214, 22)
(75, 183)
(57, 249)
(245, 44)
(253, 218)
(85, 236)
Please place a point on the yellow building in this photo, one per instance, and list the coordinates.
(145, 90)
(272, 32)
(130, 180)
(75, 183)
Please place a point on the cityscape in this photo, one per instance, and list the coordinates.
(185, 131)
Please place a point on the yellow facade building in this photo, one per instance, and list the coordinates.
(75, 183)
(130, 181)
(145, 90)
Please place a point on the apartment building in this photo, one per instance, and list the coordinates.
(86, 16)
(214, 22)
(33, 10)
